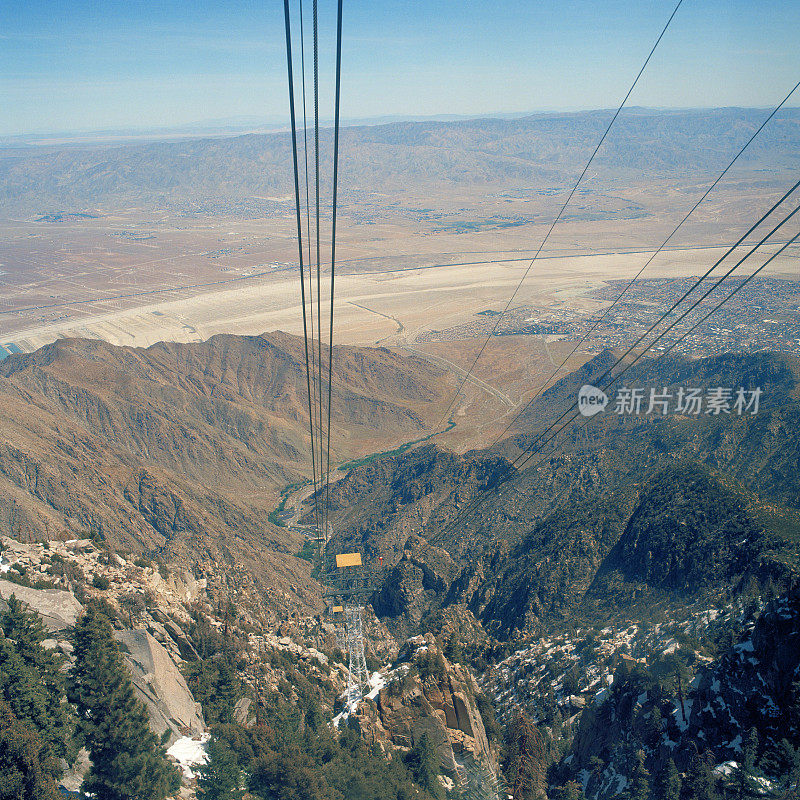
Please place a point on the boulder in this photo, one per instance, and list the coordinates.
(58, 609)
(241, 711)
(159, 684)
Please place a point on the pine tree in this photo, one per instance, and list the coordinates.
(742, 780)
(525, 758)
(424, 764)
(569, 791)
(25, 769)
(639, 787)
(668, 784)
(221, 777)
(791, 758)
(700, 782)
(127, 761)
(33, 682)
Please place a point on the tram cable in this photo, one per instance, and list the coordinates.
(524, 458)
(315, 26)
(316, 480)
(477, 502)
(333, 247)
(636, 277)
(699, 281)
(686, 333)
(298, 220)
(500, 316)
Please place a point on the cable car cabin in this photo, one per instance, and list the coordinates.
(348, 560)
(351, 580)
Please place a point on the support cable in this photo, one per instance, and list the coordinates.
(299, 223)
(658, 338)
(333, 246)
(319, 257)
(499, 318)
(316, 481)
(636, 360)
(524, 458)
(698, 282)
(636, 277)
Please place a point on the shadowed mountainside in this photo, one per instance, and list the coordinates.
(645, 511)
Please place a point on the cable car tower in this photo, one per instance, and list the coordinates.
(350, 585)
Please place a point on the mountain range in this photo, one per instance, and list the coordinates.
(536, 151)
(645, 512)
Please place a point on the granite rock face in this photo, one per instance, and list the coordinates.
(160, 686)
(58, 609)
(754, 685)
(441, 705)
(423, 573)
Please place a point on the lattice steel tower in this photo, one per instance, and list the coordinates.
(351, 584)
(358, 678)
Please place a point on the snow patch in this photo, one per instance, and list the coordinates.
(189, 752)
(583, 777)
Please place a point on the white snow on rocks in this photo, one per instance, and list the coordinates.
(190, 752)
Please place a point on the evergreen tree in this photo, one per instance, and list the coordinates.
(55, 719)
(742, 780)
(700, 781)
(25, 769)
(639, 787)
(793, 707)
(214, 684)
(791, 758)
(32, 681)
(423, 761)
(221, 777)
(668, 784)
(569, 791)
(525, 759)
(127, 761)
(290, 776)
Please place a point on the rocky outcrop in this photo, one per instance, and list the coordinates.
(59, 609)
(429, 695)
(423, 573)
(159, 684)
(756, 684)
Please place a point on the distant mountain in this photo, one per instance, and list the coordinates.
(532, 152)
(181, 449)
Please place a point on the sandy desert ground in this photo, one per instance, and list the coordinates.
(389, 308)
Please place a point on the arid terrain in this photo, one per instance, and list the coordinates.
(581, 612)
(180, 241)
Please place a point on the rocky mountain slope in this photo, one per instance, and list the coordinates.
(730, 724)
(182, 449)
(648, 510)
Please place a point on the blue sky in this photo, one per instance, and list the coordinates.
(83, 65)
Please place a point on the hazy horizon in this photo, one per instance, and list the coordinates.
(110, 66)
(237, 126)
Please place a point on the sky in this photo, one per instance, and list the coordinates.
(87, 65)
